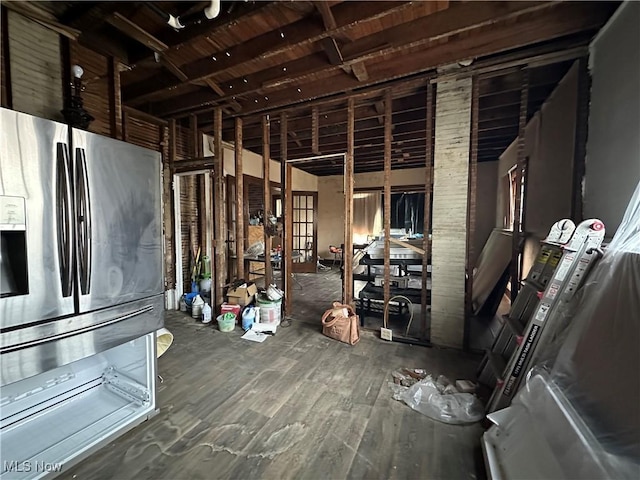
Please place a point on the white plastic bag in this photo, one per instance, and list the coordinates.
(437, 400)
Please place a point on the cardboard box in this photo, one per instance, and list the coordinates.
(242, 295)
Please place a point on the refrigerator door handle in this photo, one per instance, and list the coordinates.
(72, 333)
(84, 221)
(64, 210)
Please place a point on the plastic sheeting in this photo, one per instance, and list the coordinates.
(597, 366)
(439, 399)
(585, 388)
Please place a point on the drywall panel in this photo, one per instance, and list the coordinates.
(613, 146)
(36, 78)
(549, 146)
(486, 187)
(450, 192)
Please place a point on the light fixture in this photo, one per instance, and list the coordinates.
(74, 112)
(227, 54)
(281, 34)
(256, 100)
(284, 69)
(214, 58)
(299, 90)
(77, 71)
(245, 80)
(266, 98)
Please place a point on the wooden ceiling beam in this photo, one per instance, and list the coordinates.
(561, 20)
(135, 32)
(348, 15)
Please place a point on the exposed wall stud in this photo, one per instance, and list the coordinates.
(471, 204)
(288, 216)
(387, 192)
(582, 127)
(115, 98)
(517, 240)
(266, 190)
(428, 188)
(239, 200)
(219, 205)
(347, 251)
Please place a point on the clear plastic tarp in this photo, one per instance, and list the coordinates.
(590, 373)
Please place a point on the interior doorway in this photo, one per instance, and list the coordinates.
(305, 232)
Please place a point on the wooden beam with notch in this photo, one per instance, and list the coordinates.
(360, 71)
(136, 32)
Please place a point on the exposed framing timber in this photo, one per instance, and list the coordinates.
(471, 207)
(388, 111)
(517, 238)
(581, 132)
(287, 264)
(219, 207)
(347, 251)
(135, 32)
(315, 130)
(428, 189)
(7, 97)
(240, 200)
(266, 192)
(168, 213)
(115, 99)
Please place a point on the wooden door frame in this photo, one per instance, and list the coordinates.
(315, 233)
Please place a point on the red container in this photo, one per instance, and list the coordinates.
(228, 307)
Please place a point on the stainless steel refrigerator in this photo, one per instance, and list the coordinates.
(81, 292)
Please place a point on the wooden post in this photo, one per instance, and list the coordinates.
(428, 187)
(388, 110)
(239, 200)
(582, 127)
(7, 100)
(347, 252)
(287, 264)
(516, 247)
(219, 225)
(115, 98)
(471, 207)
(168, 215)
(315, 131)
(266, 191)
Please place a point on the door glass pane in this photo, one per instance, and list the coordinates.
(296, 201)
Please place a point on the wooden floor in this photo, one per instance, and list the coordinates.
(297, 406)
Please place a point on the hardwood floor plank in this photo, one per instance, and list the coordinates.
(299, 405)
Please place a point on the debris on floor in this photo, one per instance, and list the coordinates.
(436, 398)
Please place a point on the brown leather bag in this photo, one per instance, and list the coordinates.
(344, 329)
